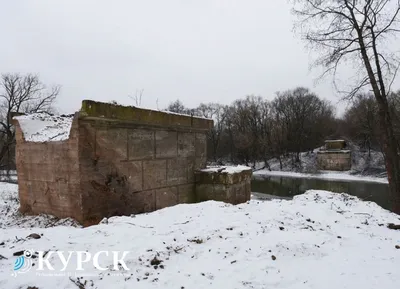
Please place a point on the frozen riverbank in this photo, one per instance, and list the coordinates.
(327, 175)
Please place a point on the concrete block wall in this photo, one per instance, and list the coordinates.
(48, 176)
(137, 169)
(229, 187)
(117, 161)
(334, 161)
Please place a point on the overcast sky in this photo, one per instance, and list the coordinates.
(192, 50)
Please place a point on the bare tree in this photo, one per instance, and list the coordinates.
(361, 122)
(359, 31)
(218, 113)
(137, 98)
(178, 107)
(305, 118)
(20, 94)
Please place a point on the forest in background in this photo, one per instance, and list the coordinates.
(253, 129)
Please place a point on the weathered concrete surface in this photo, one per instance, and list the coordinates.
(334, 160)
(117, 161)
(49, 175)
(335, 144)
(234, 188)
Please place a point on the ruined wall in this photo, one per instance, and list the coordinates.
(117, 161)
(134, 160)
(229, 187)
(48, 175)
(334, 161)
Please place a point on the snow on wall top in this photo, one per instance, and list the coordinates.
(98, 109)
(334, 140)
(41, 127)
(226, 169)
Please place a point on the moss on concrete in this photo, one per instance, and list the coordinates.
(144, 116)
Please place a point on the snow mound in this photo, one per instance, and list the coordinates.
(317, 240)
(41, 127)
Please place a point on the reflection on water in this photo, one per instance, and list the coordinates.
(289, 187)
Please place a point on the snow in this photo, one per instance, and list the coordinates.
(183, 114)
(41, 127)
(334, 151)
(334, 140)
(326, 175)
(226, 169)
(317, 240)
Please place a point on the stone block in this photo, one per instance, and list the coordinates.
(204, 192)
(19, 137)
(190, 162)
(222, 193)
(186, 144)
(186, 194)
(241, 193)
(222, 186)
(248, 189)
(201, 123)
(141, 144)
(117, 160)
(39, 172)
(201, 145)
(193, 165)
(200, 163)
(154, 174)
(141, 202)
(143, 116)
(222, 177)
(166, 144)
(112, 143)
(166, 197)
(177, 171)
(134, 175)
(338, 161)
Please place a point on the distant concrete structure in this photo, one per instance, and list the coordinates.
(109, 160)
(334, 156)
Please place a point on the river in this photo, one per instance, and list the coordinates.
(284, 186)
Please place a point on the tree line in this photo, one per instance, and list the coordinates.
(255, 129)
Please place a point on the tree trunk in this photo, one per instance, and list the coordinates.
(392, 159)
(280, 162)
(389, 143)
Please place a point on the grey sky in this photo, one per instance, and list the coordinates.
(192, 50)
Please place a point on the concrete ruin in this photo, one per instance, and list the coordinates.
(109, 160)
(225, 184)
(334, 156)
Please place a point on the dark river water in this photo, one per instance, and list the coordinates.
(289, 187)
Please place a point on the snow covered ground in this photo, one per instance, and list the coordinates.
(317, 240)
(326, 175)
